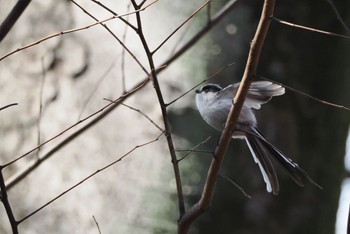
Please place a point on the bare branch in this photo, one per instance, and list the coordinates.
(7, 106)
(236, 185)
(194, 148)
(11, 19)
(307, 95)
(146, 116)
(6, 203)
(252, 63)
(89, 177)
(40, 106)
(181, 25)
(98, 226)
(309, 29)
(216, 18)
(339, 17)
(111, 11)
(95, 88)
(205, 80)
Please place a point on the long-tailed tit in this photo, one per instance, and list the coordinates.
(214, 103)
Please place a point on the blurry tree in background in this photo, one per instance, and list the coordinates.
(64, 79)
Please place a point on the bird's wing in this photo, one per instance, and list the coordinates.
(259, 93)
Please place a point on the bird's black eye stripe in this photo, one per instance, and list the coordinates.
(211, 88)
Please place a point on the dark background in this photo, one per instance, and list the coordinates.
(311, 134)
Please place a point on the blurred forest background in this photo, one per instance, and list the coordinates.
(70, 75)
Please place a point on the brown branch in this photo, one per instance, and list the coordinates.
(236, 185)
(209, 78)
(204, 203)
(11, 19)
(144, 115)
(154, 79)
(6, 203)
(307, 95)
(98, 226)
(193, 149)
(309, 29)
(181, 25)
(89, 177)
(216, 19)
(113, 12)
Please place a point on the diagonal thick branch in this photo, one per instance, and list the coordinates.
(252, 62)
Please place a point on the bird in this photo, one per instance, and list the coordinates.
(214, 103)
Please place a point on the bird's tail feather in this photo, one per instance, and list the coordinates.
(263, 151)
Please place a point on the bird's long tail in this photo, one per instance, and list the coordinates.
(263, 152)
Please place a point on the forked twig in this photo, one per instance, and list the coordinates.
(181, 25)
(194, 148)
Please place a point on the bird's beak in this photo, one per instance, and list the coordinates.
(197, 91)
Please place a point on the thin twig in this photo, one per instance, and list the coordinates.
(227, 8)
(73, 30)
(7, 106)
(114, 13)
(89, 177)
(306, 95)
(123, 53)
(181, 25)
(40, 107)
(236, 185)
(98, 226)
(339, 17)
(194, 148)
(195, 151)
(115, 36)
(141, 113)
(309, 29)
(205, 80)
(95, 88)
